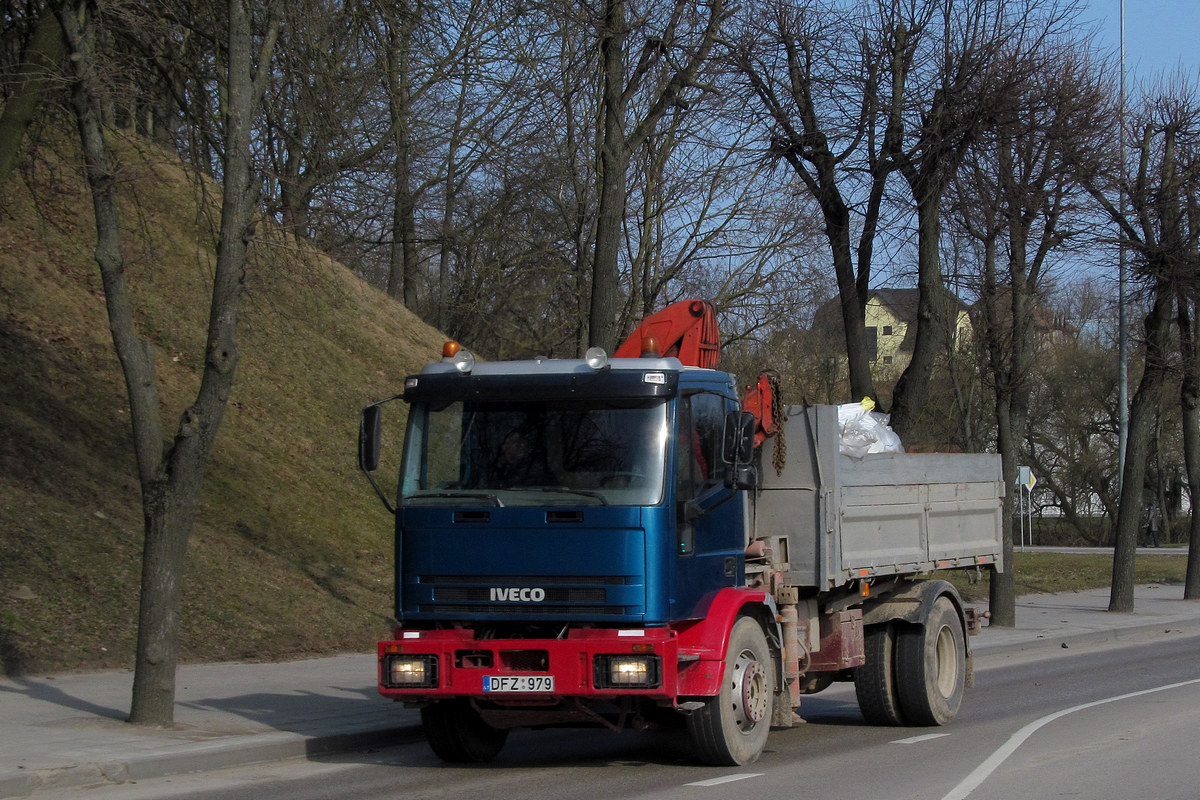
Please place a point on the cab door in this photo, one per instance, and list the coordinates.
(709, 516)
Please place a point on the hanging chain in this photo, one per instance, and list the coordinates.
(779, 457)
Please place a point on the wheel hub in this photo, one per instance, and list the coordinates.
(947, 662)
(751, 696)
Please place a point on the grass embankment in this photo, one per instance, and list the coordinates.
(1040, 573)
(292, 553)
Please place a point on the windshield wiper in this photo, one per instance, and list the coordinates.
(562, 490)
(493, 499)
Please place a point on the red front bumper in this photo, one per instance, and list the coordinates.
(453, 663)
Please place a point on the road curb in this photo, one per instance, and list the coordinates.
(1099, 636)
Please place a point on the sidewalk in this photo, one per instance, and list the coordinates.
(68, 730)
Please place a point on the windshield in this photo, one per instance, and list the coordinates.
(555, 452)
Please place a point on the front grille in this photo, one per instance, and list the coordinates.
(546, 595)
(530, 580)
(482, 594)
(525, 608)
(526, 660)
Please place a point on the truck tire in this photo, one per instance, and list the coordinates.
(875, 680)
(931, 666)
(731, 729)
(458, 735)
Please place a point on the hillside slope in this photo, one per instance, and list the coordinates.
(291, 554)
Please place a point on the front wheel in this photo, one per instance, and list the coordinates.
(731, 729)
(457, 733)
(931, 666)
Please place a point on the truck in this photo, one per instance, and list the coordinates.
(631, 542)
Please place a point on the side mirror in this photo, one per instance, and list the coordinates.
(737, 446)
(737, 450)
(370, 432)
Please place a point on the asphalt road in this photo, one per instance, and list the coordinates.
(1090, 721)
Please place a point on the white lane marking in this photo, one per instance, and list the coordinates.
(918, 739)
(981, 773)
(726, 779)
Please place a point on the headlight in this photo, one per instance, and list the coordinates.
(402, 671)
(628, 671)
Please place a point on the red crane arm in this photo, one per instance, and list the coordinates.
(761, 400)
(686, 330)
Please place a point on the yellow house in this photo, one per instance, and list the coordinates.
(890, 318)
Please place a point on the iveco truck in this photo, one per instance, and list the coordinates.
(636, 541)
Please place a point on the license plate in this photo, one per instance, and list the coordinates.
(518, 683)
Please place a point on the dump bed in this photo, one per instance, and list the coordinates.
(831, 518)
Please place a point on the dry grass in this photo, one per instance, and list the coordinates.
(292, 553)
(1041, 573)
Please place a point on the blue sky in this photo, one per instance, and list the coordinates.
(1159, 34)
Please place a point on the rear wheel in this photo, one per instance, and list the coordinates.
(875, 680)
(931, 666)
(732, 728)
(457, 734)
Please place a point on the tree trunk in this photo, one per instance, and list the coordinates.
(617, 146)
(912, 390)
(851, 292)
(1142, 412)
(1002, 592)
(1002, 598)
(613, 166)
(46, 49)
(169, 514)
(1189, 400)
(402, 255)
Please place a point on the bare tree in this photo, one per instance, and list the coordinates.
(324, 111)
(815, 75)
(856, 97)
(958, 69)
(683, 40)
(571, 94)
(171, 476)
(1073, 446)
(1018, 197)
(1157, 224)
(454, 103)
(487, 106)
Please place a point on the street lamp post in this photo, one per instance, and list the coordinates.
(1122, 321)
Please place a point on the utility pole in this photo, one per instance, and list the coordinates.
(1123, 279)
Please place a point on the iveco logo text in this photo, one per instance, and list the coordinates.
(519, 595)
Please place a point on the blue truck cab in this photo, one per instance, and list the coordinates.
(570, 549)
(558, 491)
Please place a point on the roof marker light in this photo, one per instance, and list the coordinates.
(463, 361)
(596, 358)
